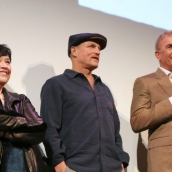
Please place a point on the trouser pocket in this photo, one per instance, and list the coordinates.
(68, 169)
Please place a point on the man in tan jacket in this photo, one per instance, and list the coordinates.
(152, 107)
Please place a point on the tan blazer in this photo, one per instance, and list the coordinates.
(152, 110)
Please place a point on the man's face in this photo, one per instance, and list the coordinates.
(5, 69)
(87, 55)
(164, 54)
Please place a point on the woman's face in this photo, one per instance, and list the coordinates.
(5, 69)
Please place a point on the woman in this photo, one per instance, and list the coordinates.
(21, 128)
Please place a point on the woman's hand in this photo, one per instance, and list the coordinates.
(1, 133)
(6, 135)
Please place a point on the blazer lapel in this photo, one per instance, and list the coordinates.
(164, 81)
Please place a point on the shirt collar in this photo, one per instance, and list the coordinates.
(165, 70)
(72, 74)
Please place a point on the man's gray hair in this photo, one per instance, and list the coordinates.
(161, 37)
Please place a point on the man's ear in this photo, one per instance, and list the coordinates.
(73, 51)
(157, 54)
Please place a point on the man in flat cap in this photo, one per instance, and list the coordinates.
(83, 124)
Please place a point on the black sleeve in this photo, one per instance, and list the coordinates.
(51, 112)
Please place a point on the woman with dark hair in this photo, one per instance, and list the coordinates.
(21, 128)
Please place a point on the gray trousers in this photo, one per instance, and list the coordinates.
(68, 169)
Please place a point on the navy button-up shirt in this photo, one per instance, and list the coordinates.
(83, 124)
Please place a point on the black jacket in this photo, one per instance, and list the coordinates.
(25, 125)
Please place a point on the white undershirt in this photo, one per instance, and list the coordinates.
(167, 73)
